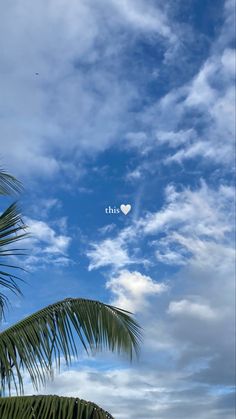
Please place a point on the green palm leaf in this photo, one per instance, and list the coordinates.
(50, 407)
(12, 229)
(9, 184)
(38, 341)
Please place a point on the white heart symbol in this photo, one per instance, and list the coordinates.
(125, 208)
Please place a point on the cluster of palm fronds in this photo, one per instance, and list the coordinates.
(39, 341)
(50, 407)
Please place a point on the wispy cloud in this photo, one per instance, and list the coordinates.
(144, 16)
(46, 246)
(204, 105)
(190, 225)
(114, 252)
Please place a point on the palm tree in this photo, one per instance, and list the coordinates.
(37, 343)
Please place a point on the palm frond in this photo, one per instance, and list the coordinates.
(37, 342)
(12, 229)
(9, 184)
(10, 225)
(50, 407)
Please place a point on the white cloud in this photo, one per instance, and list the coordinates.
(72, 50)
(131, 290)
(217, 106)
(196, 223)
(42, 232)
(191, 308)
(55, 39)
(211, 98)
(45, 246)
(76, 105)
(139, 141)
(143, 16)
(134, 175)
(193, 226)
(114, 252)
(44, 206)
(167, 256)
(204, 105)
(108, 252)
(202, 252)
(135, 394)
(228, 60)
(200, 92)
(174, 139)
(107, 228)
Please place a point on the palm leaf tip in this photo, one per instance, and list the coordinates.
(39, 341)
(50, 407)
(9, 185)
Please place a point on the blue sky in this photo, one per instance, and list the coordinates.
(133, 103)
